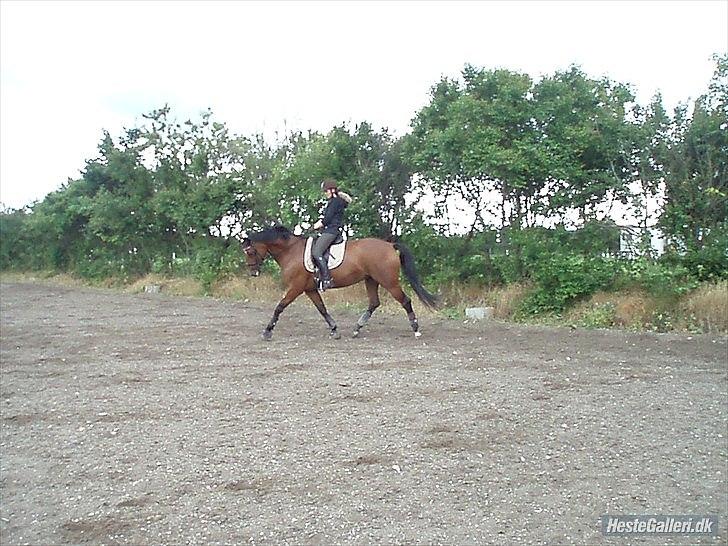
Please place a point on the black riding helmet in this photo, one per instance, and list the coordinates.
(329, 184)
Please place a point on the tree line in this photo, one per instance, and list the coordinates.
(540, 163)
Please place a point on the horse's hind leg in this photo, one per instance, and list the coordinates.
(315, 297)
(373, 294)
(399, 295)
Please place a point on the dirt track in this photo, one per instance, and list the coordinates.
(147, 419)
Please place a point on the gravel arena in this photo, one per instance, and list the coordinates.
(152, 419)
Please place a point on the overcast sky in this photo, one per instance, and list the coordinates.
(69, 70)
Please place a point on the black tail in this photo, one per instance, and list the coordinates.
(410, 271)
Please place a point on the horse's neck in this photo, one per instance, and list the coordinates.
(282, 251)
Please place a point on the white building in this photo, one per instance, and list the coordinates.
(636, 241)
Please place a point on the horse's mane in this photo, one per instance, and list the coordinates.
(271, 234)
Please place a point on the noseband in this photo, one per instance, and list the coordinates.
(256, 254)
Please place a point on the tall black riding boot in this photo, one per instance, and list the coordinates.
(324, 273)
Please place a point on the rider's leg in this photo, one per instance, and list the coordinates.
(320, 246)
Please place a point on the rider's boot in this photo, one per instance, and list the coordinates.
(324, 274)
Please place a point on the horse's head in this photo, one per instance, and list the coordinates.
(255, 253)
(258, 245)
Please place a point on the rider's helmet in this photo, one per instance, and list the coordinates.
(329, 184)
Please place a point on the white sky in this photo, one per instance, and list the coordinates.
(69, 70)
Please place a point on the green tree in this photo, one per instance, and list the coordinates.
(585, 133)
(366, 163)
(697, 180)
(435, 150)
(14, 243)
(562, 144)
(695, 214)
(650, 155)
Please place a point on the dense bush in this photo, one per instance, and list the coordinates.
(706, 262)
(657, 278)
(561, 279)
(14, 245)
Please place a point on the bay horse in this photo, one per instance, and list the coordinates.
(374, 261)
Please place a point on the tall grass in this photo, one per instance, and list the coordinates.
(707, 307)
(704, 309)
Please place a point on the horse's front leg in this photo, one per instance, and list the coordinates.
(291, 295)
(319, 303)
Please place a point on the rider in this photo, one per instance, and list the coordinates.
(331, 223)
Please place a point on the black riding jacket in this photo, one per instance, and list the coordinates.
(333, 219)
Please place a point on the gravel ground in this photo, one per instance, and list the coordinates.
(149, 419)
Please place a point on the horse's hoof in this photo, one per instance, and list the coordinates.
(335, 335)
(418, 334)
(267, 335)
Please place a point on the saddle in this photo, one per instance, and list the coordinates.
(334, 255)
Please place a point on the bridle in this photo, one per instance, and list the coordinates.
(247, 246)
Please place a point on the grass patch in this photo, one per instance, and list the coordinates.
(176, 286)
(44, 277)
(632, 309)
(706, 308)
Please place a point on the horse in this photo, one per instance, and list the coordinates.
(374, 261)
